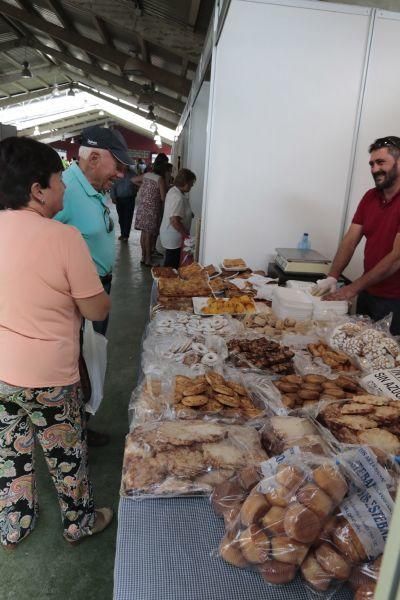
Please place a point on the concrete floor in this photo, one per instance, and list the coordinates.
(43, 566)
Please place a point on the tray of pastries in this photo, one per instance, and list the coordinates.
(335, 359)
(366, 419)
(167, 272)
(170, 458)
(234, 264)
(298, 391)
(182, 288)
(213, 395)
(238, 305)
(261, 353)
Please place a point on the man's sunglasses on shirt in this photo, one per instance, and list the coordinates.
(108, 221)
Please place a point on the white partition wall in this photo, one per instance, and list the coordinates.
(286, 84)
(197, 145)
(380, 114)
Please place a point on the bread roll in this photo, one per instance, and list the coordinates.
(346, 540)
(286, 550)
(272, 521)
(248, 477)
(366, 592)
(226, 495)
(315, 499)
(229, 549)
(331, 481)
(253, 508)
(301, 524)
(276, 572)
(231, 516)
(254, 544)
(314, 574)
(332, 562)
(278, 495)
(289, 476)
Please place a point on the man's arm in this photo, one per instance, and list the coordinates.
(388, 265)
(346, 250)
(177, 224)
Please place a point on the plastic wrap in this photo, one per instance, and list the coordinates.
(171, 458)
(369, 343)
(223, 396)
(171, 352)
(283, 432)
(364, 578)
(261, 354)
(172, 322)
(305, 391)
(283, 515)
(365, 419)
(355, 536)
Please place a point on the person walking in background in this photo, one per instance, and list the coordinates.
(40, 318)
(123, 194)
(149, 210)
(177, 217)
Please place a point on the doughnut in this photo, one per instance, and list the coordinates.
(210, 359)
(199, 348)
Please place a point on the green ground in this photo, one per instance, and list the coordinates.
(44, 566)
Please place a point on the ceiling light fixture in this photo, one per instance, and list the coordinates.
(71, 91)
(72, 141)
(55, 91)
(133, 65)
(26, 72)
(153, 127)
(150, 115)
(101, 113)
(36, 131)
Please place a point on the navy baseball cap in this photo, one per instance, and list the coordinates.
(107, 139)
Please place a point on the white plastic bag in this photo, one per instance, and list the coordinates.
(94, 352)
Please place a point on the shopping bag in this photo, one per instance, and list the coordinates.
(94, 352)
(187, 251)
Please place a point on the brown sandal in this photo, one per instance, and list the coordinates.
(103, 517)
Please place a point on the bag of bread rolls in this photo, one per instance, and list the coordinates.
(364, 578)
(274, 527)
(349, 546)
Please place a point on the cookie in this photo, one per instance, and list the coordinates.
(213, 378)
(237, 388)
(223, 389)
(372, 400)
(194, 390)
(196, 400)
(228, 400)
(354, 408)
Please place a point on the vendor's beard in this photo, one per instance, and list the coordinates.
(390, 178)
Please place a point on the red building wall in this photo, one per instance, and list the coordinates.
(134, 140)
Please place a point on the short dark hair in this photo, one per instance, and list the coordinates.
(183, 177)
(391, 142)
(23, 162)
(161, 157)
(160, 168)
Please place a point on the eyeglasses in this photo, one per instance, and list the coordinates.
(387, 141)
(108, 221)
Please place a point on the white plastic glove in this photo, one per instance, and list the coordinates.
(325, 286)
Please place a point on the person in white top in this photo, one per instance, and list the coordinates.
(177, 217)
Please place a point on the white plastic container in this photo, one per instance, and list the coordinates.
(328, 309)
(306, 286)
(290, 303)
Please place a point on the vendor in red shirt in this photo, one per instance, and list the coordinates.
(378, 219)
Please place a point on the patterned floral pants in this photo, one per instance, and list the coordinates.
(56, 417)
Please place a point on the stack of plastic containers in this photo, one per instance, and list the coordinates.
(328, 309)
(289, 303)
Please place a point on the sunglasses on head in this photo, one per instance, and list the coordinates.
(387, 141)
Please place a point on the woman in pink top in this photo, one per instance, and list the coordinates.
(48, 282)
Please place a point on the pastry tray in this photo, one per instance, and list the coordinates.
(200, 302)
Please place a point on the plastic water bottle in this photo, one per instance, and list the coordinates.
(304, 243)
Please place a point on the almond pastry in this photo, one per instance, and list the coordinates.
(253, 508)
(334, 564)
(315, 499)
(301, 524)
(331, 481)
(197, 400)
(229, 549)
(287, 550)
(273, 520)
(314, 574)
(277, 572)
(254, 544)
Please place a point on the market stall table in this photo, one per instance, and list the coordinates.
(166, 549)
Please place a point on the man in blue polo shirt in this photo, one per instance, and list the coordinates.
(103, 158)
